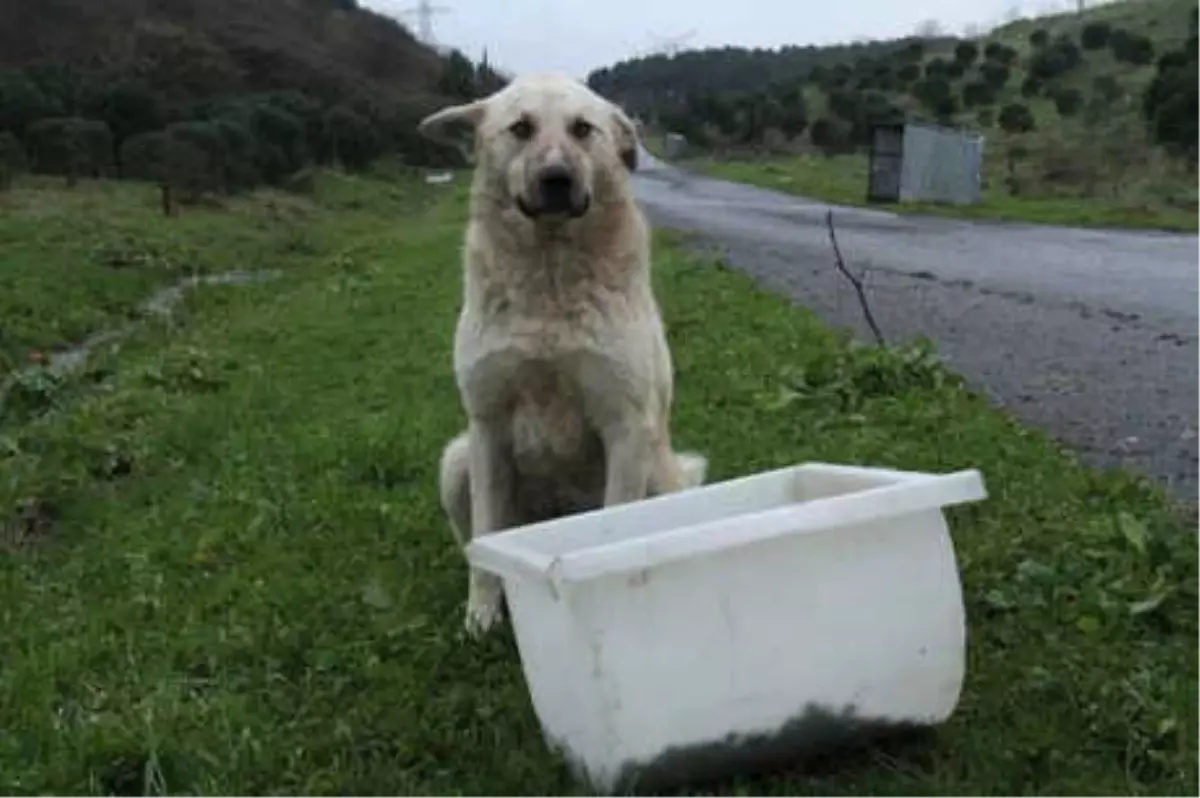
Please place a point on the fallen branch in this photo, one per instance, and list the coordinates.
(854, 281)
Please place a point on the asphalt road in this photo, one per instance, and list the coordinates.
(1088, 334)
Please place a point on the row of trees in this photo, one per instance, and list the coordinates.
(884, 82)
(62, 120)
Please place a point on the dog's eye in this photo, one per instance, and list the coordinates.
(581, 128)
(522, 129)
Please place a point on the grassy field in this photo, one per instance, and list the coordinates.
(224, 569)
(843, 179)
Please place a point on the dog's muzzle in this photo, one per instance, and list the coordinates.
(556, 194)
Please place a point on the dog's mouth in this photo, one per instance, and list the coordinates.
(555, 210)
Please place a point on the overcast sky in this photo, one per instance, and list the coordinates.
(576, 36)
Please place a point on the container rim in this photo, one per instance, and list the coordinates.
(906, 492)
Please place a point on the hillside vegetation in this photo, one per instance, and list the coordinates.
(214, 94)
(1099, 105)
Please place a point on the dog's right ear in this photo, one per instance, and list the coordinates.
(453, 125)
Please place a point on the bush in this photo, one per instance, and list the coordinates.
(1107, 88)
(937, 68)
(931, 92)
(1095, 35)
(978, 93)
(22, 102)
(1031, 87)
(1132, 49)
(12, 158)
(966, 52)
(1039, 38)
(830, 134)
(994, 75)
(129, 107)
(1067, 101)
(1055, 59)
(194, 157)
(71, 146)
(1001, 54)
(1170, 102)
(1016, 118)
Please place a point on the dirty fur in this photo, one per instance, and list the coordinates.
(559, 353)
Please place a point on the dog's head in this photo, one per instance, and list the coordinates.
(547, 144)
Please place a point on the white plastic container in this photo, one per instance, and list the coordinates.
(720, 629)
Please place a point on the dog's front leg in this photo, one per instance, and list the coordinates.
(491, 510)
(627, 464)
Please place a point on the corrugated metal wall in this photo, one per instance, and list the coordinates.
(940, 165)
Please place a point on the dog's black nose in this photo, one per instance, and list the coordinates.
(557, 184)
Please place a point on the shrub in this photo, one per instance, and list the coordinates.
(1001, 54)
(1095, 35)
(1067, 101)
(931, 91)
(830, 134)
(1055, 59)
(1131, 48)
(966, 52)
(71, 146)
(12, 158)
(1016, 118)
(978, 93)
(994, 75)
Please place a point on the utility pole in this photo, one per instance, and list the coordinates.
(424, 11)
(670, 45)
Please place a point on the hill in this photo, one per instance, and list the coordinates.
(278, 83)
(1101, 102)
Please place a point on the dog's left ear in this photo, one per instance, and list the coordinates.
(625, 134)
(454, 125)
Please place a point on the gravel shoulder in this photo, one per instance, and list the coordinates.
(1090, 335)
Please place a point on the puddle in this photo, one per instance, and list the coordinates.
(161, 303)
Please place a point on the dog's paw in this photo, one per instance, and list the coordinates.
(482, 616)
(693, 468)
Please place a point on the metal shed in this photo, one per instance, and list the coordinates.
(916, 161)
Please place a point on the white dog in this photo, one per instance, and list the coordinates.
(559, 354)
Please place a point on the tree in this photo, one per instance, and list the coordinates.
(129, 107)
(1039, 38)
(12, 158)
(909, 72)
(1016, 118)
(1067, 101)
(1095, 35)
(1055, 59)
(994, 75)
(71, 146)
(458, 76)
(965, 53)
(830, 134)
(1107, 88)
(1131, 48)
(931, 92)
(1031, 87)
(22, 102)
(1169, 103)
(977, 93)
(1000, 53)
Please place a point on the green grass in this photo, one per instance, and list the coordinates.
(843, 179)
(227, 572)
